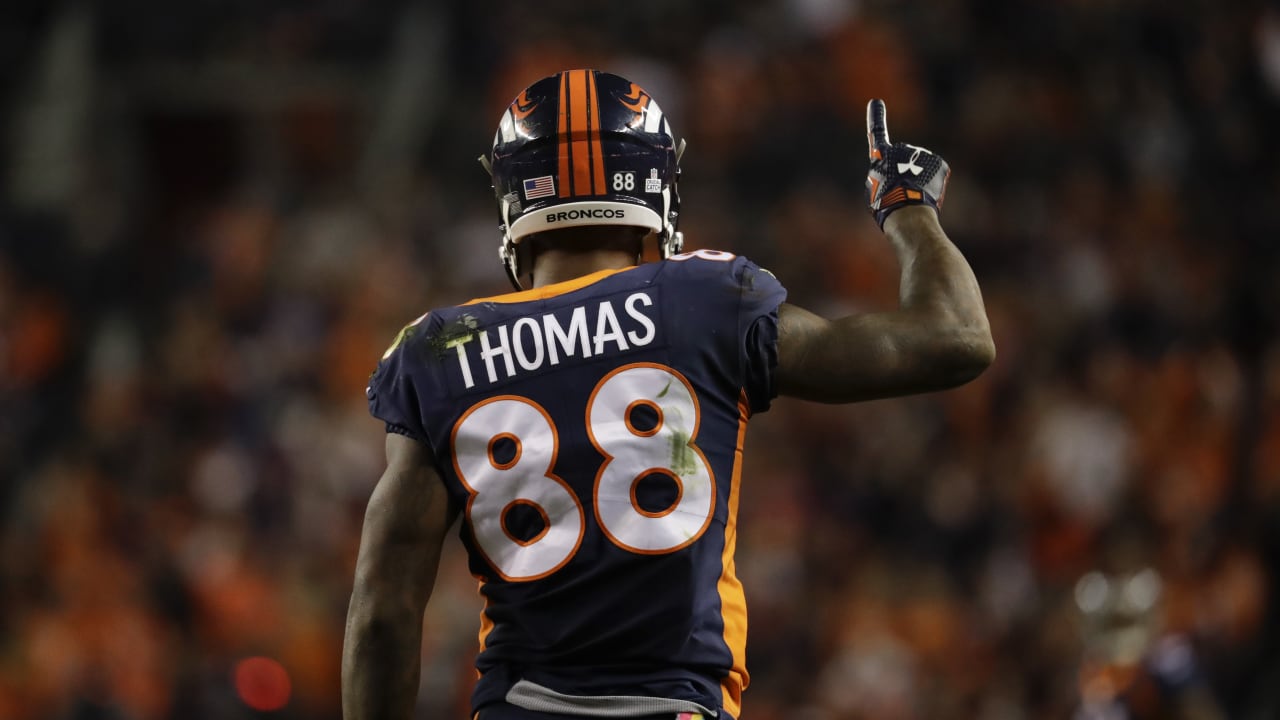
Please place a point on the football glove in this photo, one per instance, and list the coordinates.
(900, 174)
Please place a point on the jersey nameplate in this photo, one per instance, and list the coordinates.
(609, 326)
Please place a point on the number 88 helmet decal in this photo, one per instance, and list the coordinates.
(584, 147)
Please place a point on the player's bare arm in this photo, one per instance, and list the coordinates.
(937, 338)
(404, 529)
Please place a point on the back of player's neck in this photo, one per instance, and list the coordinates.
(553, 266)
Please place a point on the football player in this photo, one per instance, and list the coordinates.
(588, 427)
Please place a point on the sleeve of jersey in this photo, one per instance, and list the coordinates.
(393, 394)
(760, 294)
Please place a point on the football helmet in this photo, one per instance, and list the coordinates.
(584, 147)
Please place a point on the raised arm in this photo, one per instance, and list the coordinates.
(937, 338)
(404, 529)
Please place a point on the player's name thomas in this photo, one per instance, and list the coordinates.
(531, 343)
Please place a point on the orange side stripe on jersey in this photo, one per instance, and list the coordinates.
(486, 624)
(548, 291)
(597, 150)
(733, 603)
(579, 131)
(562, 131)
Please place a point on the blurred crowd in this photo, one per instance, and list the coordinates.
(215, 215)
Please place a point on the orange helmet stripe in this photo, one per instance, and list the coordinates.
(597, 150)
(581, 169)
(562, 130)
(580, 130)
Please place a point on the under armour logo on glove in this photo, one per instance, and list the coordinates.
(910, 165)
(900, 174)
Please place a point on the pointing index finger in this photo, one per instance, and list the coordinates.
(877, 129)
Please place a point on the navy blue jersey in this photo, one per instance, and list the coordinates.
(592, 431)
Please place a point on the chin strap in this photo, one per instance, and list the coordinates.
(507, 251)
(670, 240)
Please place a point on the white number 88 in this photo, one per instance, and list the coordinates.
(631, 455)
(624, 181)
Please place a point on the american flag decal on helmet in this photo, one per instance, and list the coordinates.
(539, 187)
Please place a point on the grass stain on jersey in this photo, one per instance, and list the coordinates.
(458, 332)
(405, 332)
(683, 462)
(665, 388)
